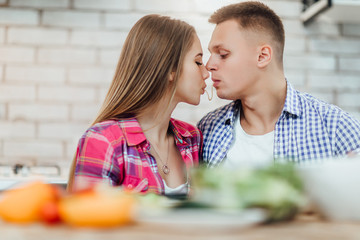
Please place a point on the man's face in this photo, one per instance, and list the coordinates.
(233, 60)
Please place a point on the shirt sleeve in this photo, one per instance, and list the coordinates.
(96, 162)
(347, 135)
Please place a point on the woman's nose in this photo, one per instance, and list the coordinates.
(205, 74)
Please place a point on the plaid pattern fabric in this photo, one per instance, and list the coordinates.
(117, 153)
(307, 130)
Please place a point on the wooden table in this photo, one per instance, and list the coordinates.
(304, 228)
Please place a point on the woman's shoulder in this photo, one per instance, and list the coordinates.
(184, 127)
(109, 129)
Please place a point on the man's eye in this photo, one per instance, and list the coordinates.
(199, 63)
(223, 55)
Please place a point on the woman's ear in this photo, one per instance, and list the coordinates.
(265, 55)
(172, 76)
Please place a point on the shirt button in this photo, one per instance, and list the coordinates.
(130, 186)
(224, 149)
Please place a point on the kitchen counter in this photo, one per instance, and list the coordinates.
(304, 227)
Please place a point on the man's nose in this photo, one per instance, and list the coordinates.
(210, 66)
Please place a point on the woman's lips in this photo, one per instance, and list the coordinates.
(203, 89)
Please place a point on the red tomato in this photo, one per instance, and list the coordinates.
(49, 212)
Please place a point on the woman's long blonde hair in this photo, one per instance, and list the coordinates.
(154, 48)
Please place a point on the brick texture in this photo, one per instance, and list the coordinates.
(66, 56)
(17, 55)
(37, 36)
(58, 58)
(71, 19)
(103, 4)
(40, 3)
(2, 35)
(35, 74)
(18, 17)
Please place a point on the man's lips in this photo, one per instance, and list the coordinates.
(216, 82)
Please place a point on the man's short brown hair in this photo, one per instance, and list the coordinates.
(254, 16)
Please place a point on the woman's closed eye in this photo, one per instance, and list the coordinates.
(198, 63)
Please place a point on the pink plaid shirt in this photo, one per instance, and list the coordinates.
(117, 152)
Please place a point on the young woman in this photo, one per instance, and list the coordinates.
(134, 142)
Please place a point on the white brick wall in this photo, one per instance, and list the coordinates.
(285, 9)
(33, 148)
(160, 6)
(17, 54)
(334, 81)
(11, 130)
(71, 19)
(2, 111)
(123, 21)
(351, 30)
(343, 46)
(18, 17)
(37, 36)
(98, 38)
(38, 112)
(1, 73)
(15, 93)
(312, 62)
(109, 57)
(350, 63)
(85, 113)
(60, 94)
(66, 56)
(2, 35)
(60, 131)
(349, 100)
(295, 45)
(87, 76)
(35, 74)
(58, 57)
(103, 4)
(40, 3)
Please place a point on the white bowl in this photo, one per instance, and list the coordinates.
(334, 187)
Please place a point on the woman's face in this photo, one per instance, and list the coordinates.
(191, 84)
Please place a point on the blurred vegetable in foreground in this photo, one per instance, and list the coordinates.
(24, 204)
(103, 206)
(99, 206)
(276, 188)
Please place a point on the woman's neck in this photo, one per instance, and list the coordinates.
(155, 122)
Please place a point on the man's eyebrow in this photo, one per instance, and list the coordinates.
(214, 47)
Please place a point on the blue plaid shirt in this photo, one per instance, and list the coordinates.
(307, 129)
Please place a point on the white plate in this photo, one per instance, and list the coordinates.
(211, 219)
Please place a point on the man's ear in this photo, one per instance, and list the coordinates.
(265, 55)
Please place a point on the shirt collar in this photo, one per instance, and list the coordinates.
(181, 133)
(132, 131)
(292, 104)
(231, 115)
(134, 134)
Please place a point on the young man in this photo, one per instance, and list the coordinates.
(268, 119)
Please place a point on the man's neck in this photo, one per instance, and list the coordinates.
(260, 111)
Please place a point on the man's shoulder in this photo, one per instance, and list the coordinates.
(321, 107)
